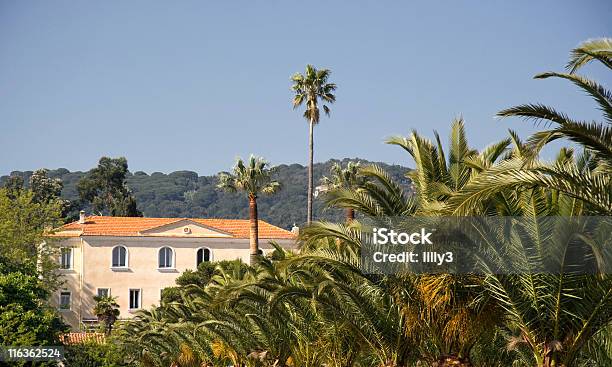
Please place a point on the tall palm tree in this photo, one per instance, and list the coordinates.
(253, 179)
(310, 88)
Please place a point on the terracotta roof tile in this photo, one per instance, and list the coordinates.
(79, 338)
(133, 226)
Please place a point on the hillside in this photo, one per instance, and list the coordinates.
(186, 194)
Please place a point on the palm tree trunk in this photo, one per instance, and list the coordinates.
(310, 162)
(254, 230)
(350, 214)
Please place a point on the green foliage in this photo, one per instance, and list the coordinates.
(185, 194)
(568, 178)
(316, 307)
(343, 178)
(44, 188)
(23, 223)
(104, 187)
(92, 354)
(348, 179)
(253, 178)
(205, 271)
(13, 185)
(594, 49)
(310, 88)
(25, 317)
(201, 277)
(107, 311)
(27, 269)
(20, 326)
(171, 294)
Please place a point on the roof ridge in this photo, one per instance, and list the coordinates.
(135, 226)
(124, 217)
(157, 225)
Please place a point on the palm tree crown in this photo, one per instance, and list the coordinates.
(311, 87)
(342, 177)
(347, 178)
(254, 178)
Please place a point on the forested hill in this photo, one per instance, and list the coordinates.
(185, 194)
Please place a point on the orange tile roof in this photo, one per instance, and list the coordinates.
(133, 226)
(79, 338)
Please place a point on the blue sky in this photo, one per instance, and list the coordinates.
(193, 84)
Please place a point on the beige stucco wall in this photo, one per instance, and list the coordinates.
(71, 281)
(92, 268)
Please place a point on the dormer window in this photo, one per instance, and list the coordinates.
(166, 258)
(120, 257)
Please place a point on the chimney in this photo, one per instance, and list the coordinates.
(82, 217)
(295, 229)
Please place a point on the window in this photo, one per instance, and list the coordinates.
(64, 301)
(119, 257)
(66, 258)
(104, 292)
(165, 258)
(202, 256)
(134, 299)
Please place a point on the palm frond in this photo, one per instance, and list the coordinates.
(596, 49)
(602, 96)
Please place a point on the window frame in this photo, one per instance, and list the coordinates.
(108, 291)
(210, 257)
(60, 304)
(130, 308)
(127, 258)
(71, 260)
(172, 265)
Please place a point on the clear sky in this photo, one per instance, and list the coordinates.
(190, 85)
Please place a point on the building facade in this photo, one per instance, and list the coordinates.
(134, 259)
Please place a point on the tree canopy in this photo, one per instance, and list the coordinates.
(105, 188)
(27, 269)
(187, 194)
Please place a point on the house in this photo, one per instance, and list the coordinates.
(320, 190)
(133, 259)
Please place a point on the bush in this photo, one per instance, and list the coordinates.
(93, 354)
